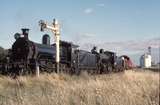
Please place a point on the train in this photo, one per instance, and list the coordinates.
(25, 56)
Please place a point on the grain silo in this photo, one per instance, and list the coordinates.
(146, 59)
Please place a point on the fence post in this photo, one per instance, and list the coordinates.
(37, 69)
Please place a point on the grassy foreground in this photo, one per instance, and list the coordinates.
(128, 88)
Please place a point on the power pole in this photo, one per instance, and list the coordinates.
(55, 28)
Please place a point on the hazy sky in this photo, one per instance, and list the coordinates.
(94, 20)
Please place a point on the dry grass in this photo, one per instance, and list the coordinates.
(129, 88)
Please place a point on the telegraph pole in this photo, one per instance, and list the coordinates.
(55, 28)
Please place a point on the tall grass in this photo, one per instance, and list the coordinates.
(128, 88)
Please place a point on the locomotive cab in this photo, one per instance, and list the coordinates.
(67, 49)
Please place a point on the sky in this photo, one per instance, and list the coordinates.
(82, 21)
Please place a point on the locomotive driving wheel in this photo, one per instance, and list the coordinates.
(63, 68)
(51, 67)
(109, 67)
(102, 68)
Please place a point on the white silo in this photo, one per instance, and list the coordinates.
(146, 59)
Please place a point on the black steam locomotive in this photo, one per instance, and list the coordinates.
(26, 55)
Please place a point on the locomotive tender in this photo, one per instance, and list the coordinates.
(26, 55)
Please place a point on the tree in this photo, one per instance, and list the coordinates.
(3, 53)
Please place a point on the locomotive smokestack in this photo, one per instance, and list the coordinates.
(25, 32)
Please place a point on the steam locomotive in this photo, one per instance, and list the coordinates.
(25, 56)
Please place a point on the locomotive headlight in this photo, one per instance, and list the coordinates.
(17, 35)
